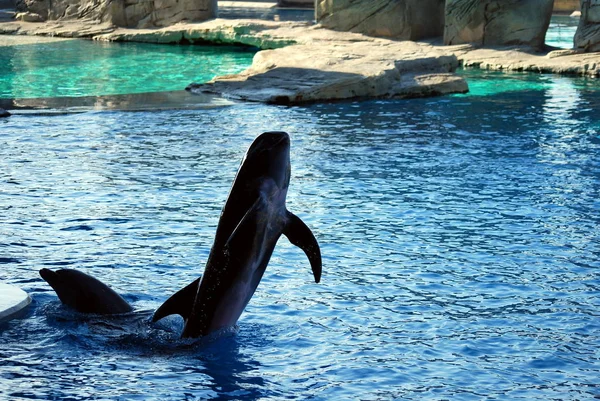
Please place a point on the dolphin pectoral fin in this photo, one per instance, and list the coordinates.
(300, 235)
(180, 303)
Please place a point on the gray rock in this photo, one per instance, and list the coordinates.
(29, 17)
(587, 36)
(4, 113)
(562, 62)
(497, 22)
(400, 19)
(124, 13)
(566, 6)
(40, 7)
(356, 70)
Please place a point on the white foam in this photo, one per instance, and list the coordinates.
(12, 301)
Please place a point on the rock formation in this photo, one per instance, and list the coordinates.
(566, 6)
(497, 22)
(400, 19)
(124, 13)
(341, 71)
(29, 17)
(587, 36)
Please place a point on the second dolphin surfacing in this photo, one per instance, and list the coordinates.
(253, 219)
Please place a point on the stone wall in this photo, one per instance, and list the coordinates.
(482, 22)
(497, 22)
(566, 6)
(124, 13)
(401, 19)
(587, 36)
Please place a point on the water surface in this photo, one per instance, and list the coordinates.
(562, 31)
(77, 68)
(460, 242)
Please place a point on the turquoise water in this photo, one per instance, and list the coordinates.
(76, 68)
(460, 238)
(561, 31)
(488, 83)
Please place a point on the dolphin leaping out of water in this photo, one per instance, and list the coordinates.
(252, 220)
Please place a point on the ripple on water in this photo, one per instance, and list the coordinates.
(459, 237)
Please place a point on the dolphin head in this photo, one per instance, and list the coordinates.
(264, 171)
(269, 157)
(84, 293)
(60, 286)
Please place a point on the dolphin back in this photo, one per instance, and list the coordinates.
(84, 293)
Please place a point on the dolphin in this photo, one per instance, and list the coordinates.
(84, 293)
(251, 222)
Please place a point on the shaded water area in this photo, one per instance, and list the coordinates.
(460, 241)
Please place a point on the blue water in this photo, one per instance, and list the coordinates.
(562, 31)
(76, 68)
(460, 238)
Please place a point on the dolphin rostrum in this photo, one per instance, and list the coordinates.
(253, 219)
(85, 293)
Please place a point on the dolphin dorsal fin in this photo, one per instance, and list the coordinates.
(180, 303)
(300, 235)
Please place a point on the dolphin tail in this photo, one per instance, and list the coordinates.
(180, 303)
(300, 235)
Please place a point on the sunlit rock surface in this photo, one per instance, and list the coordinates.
(516, 59)
(305, 73)
(497, 22)
(587, 36)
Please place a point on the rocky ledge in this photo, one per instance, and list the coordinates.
(306, 73)
(565, 62)
(302, 63)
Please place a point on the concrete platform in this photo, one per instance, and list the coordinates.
(12, 301)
